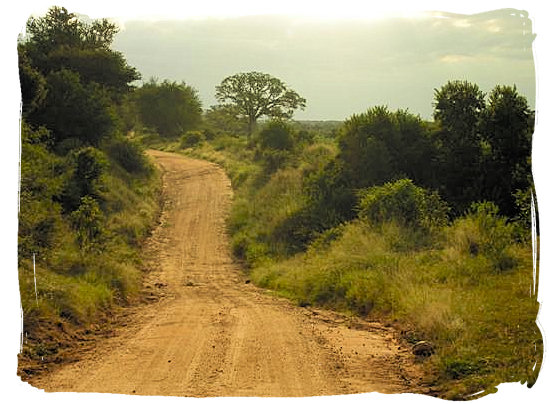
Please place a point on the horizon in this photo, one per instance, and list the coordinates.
(341, 67)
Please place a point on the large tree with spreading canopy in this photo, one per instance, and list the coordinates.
(257, 94)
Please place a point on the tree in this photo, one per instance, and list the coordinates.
(277, 135)
(71, 81)
(87, 221)
(33, 84)
(60, 40)
(257, 94)
(458, 109)
(74, 110)
(458, 106)
(379, 145)
(59, 28)
(87, 179)
(507, 128)
(170, 108)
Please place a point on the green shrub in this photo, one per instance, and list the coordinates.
(129, 156)
(277, 135)
(404, 203)
(87, 221)
(87, 179)
(191, 138)
(482, 232)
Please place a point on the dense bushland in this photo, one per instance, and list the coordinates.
(88, 194)
(419, 223)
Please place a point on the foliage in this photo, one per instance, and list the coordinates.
(90, 165)
(73, 110)
(257, 94)
(404, 203)
(458, 106)
(483, 232)
(224, 119)
(71, 80)
(191, 138)
(83, 186)
(129, 155)
(170, 108)
(87, 221)
(507, 127)
(458, 109)
(276, 135)
(378, 146)
(33, 84)
(41, 183)
(60, 40)
(275, 141)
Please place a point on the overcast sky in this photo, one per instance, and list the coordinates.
(340, 66)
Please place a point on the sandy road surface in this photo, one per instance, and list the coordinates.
(213, 334)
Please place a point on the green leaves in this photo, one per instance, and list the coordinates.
(484, 145)
(257, 94)
(277, 135)
(74, 110)
(170, 108)
(403, 203)
(90, 165)
(71, 79)
(87, 221)
(379, 145)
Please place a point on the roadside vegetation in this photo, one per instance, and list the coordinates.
(382, 216)
(426, 225)
(88, 195)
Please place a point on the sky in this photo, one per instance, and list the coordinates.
(341, 67)
(371, 61)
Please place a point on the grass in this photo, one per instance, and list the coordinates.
(481, 320)
(75, 288)
(465, 287)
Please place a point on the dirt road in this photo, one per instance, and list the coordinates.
(213, 334)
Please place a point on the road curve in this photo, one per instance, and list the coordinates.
(213, 334)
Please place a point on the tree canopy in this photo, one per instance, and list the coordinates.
(483, 145)
(71, 80)
(256, 94)
(170, 108)
(379, 145)
(60, 40)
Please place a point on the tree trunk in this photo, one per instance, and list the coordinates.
(251, 126)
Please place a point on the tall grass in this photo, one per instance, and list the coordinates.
(464, 286)
(76, 286)
(480, 319)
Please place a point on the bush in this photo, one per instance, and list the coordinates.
(482, 232)
(129, 155)
(404, 203)
(90, 165)
(87, 221)
(191, 139)
(277, 135)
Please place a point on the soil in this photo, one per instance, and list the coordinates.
(207, 331)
